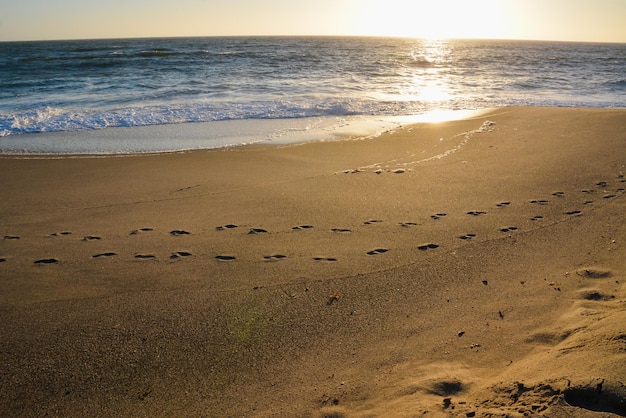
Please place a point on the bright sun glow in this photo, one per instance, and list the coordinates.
(436, 19)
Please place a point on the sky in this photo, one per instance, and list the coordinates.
(561, 20)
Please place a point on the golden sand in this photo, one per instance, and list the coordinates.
(466, 268)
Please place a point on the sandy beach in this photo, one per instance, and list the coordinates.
(466, 268)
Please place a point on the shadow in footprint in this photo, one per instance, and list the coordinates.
(179, 232)
(136, 231)
(2, 260)
(598, 398)
(10, 237)
(377, 251)
(372, 221)
(340, 230)
(302, 227)
(59, 234)
(103, 255)
(508, 229)
(427, 247)
(476, 212)
(558, 194)
(539, 202)
(536, 218)
(438, 215)
(91, 238)
(407, 224)
(503, 204)
(274, 257)
(573, 212)
(47, 261)
(225, 257)
(145, 257)
(225, 227)
(256, 231)
(179, 254)
(467, 236)
(325, 259)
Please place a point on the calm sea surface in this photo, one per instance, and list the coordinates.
(78, 86)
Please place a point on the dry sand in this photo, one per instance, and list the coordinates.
(468, 268)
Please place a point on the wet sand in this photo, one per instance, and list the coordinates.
(466, 268)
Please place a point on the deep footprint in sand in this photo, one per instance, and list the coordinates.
(508, 229)
(558, 194)
(476, 212)
(325, 259)
(104, 255)
(91, 238)
(407, 224)
(536, 218)
(11, 237)
(60, 234)
(539, 202)
(225, 227)
(377, 251)
(573, 212)
(47, 261)
(274, 257)
(257, 231)
(503, 204)
(425, 247)
(136, 231)
(372, 221)
(179, 232)
(302, 227)
(438, 216)
(225, 257)
(145, 257)
(341, 230)
(467, 236)
(179, 254)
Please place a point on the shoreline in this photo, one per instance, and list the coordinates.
(217, 135)
(459, 268)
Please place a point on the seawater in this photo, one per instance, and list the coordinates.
(76, 96)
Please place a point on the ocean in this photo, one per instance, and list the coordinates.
(151, 95)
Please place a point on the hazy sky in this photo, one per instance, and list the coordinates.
(569, 20)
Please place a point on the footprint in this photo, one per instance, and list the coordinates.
(407, 224)
(91, 238)
(377, 251)
(427, 247)
(274, 257)
(109, 254)
(372, 221)
(225, 257)
(2, 260)
(179, 232)
(136, 231)
(508, 229)
(399, 171)
(11, 237)
(224, 227)
(536, 218)
(503, 204)
(608, 196)
(301, 227)
(540, 202)
(573, 212)
(325, 259)
(558, 194)
(179, 254)
(339, 230)
(57, 234)
(145, 256)
(438, 215)
(467, 236)
(47, 261)
(588, 202)
(602, 183)
(256, 231)
(476, 212)
(588, 191)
